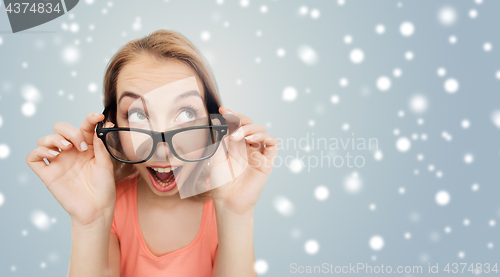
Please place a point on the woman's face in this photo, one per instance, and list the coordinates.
(144, 76)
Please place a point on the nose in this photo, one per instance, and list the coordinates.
(163, 151)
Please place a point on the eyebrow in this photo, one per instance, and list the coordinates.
(178, 98)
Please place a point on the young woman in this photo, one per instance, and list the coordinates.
(123, 222)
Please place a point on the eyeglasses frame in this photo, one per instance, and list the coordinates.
(162, 136)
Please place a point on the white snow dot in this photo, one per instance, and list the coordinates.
(492, 223)
(74, 27)
(343, 82)
(466, 222)
(383, 83)
(475, 187)
(303, 10)
(1, 40)
(465, 124)
(335, 99)
(205, 35)
(403, 144)
(89, 2)
(28, 109)
(315, 13)
(378, 156)
(264, 9)
(347, 39)
(244, 3)
(380, 29)
(401, 190)
(397, 72)
(401, 113)
(451, 85)
(441, 72)
(409, 55)
(92, 87)
(372, 207)
(442, 197)
(41, 220)
(452, 39)
(261, 266)
(407, 29)
(71, 54)
(341, 2)
(418, 103)
(376, 243)
(345, 126)
(296, 165)
(353, 183)
(461, 254)
(30, 93)
(311, 247)
(468, 158)
(289, 93)
(487, 47)
(357, 56)
(307, 55)
(473, 13)
(2, 199)
(447, 15)
(407, 235)
(446, 136)
(447, 229)
(280, 52)
(283, 206)
(321, 193)
(495, 118)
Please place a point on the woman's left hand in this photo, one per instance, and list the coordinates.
(251, 161)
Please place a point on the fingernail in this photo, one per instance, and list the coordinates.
(55, 153)
(249, 137)
(235, 134)
(65, 142)
(97, 114)
(84, 146)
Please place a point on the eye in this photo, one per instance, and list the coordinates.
(136, 116)
(187, 115)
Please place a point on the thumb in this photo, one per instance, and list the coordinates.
(102, 157)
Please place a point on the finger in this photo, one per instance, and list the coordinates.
(54, 140)
(88, 126)
(35, 158)
(246, 131)
(269, 143)
(245, 120)
(71, 134)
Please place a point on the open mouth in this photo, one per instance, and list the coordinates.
(164, 177)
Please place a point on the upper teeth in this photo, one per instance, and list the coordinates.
(165, 170)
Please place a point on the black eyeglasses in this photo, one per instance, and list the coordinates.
(189, 144)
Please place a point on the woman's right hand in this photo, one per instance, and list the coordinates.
(81, 180)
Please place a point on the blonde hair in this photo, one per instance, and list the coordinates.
(161, 44)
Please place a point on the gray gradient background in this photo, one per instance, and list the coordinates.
(343, 224)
